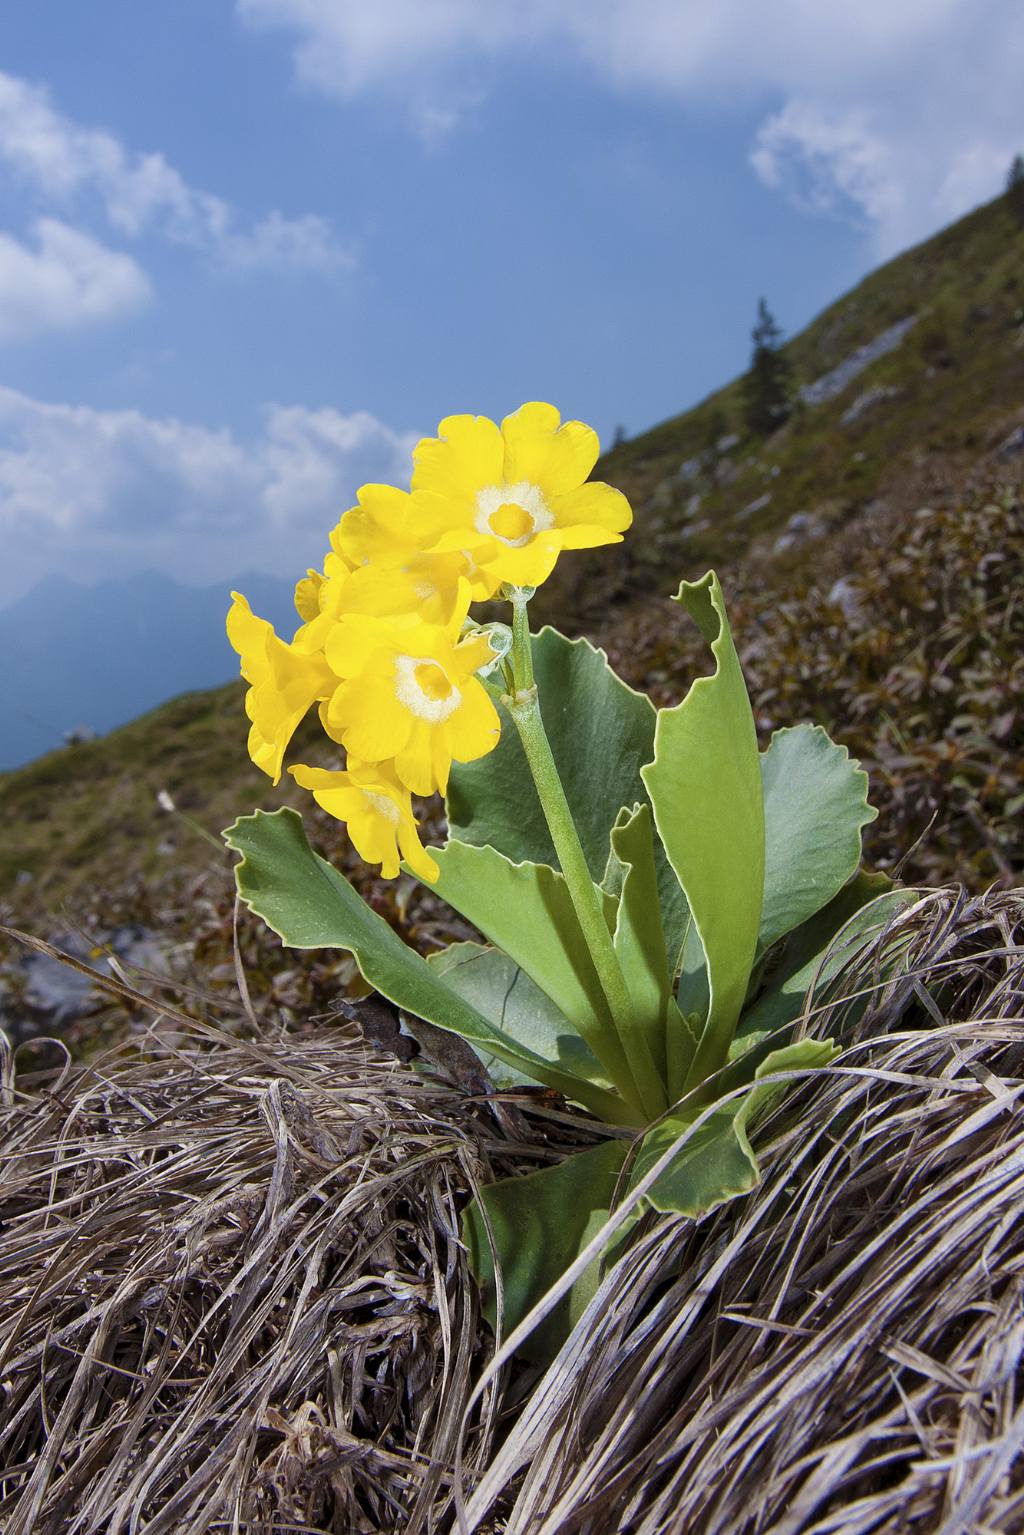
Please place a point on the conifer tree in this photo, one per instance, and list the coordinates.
(1015, 188)
(767, 386)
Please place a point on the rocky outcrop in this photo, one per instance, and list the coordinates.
(832, 384)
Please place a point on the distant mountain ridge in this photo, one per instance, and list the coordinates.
(94, 657)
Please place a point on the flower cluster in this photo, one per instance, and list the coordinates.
(386, 648)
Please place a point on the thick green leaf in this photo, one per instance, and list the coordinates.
(525, 909)
(541, 1222)
(601, 734)
(311, 906)
(705, 785)
(815, 808)
(499, 989)
(717, 1163)
(815, 953)
(692, 994)
(682, 1036)
(639, 936)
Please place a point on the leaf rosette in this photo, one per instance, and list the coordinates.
(657, 898)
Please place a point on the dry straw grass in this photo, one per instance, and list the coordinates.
(232, 1295)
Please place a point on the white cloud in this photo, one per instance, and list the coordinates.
(279, 243)
(899, 114)
(311, 462)
(900, 179)
(344, 46)
(94, 493)
(828, 163)
(64, 165)
(63, 280)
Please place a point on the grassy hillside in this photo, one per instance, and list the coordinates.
(82, 828)
(89, 812)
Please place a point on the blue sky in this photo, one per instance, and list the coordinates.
(250, 250)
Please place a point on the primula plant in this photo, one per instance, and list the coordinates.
(656, 895)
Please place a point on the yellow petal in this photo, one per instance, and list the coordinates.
(467, 453)
(441, 758)
(381, 781)
(354, 640)
(529, 566)
(285, 683)
(333, 790)
(312, 636)
(538, 450)
(587, 536)
(380, 592)
(371, 530)
(428, 586)
(593, 505)
(416, 855)
(248, 636)
(369, 718)
(417, 763)
(460, 538)
(474, 728)
(307, 595)
(335, 565)
(372, 809)
(325, 721)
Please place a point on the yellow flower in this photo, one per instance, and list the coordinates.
(408, 693)
(284, 682)
(307, 595)
(319, 597)
(513, 498)
(382, 539)
(377, 810)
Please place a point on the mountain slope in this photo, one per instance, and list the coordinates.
(909, 425)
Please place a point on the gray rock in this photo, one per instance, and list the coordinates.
(800, 529)
(1013, 445)
(688, 470)
(757, 506)
(867, 401)
(692, 506)
(831, 384)
(42, 996)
